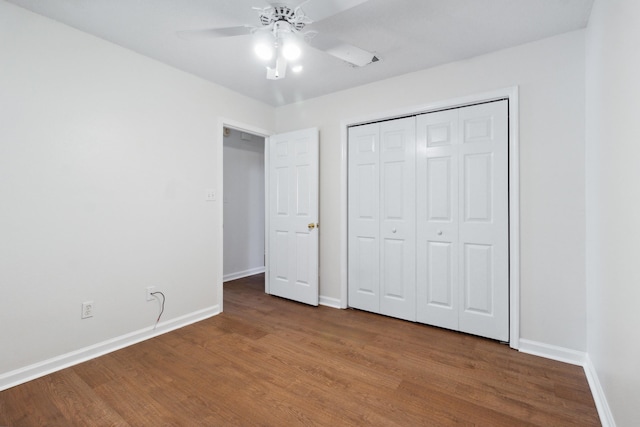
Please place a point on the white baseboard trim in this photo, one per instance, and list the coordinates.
(36, 370)
(553, 352)
(579, 358)
(241, 274)
(604, 411)
(330, 302)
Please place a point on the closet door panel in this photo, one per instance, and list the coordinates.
(483, 211)
(364, 218)
(437, 219)
(397, 228)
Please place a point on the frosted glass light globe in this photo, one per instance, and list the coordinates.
(264, 51)
(291, 51)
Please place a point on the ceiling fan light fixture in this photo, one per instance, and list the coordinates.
(291, 51)
(264, 50)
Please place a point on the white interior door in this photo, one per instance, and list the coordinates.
(382, 218)
(462, 225)
(364, 217)
(437, 218)
(292, 256)
(397, 218)
(428, 219)
(484, 220)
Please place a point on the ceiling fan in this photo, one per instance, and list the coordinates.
(283, 29)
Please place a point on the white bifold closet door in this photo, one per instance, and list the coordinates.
(382, 218)
(462, 220)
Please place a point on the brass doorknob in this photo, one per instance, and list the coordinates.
(311, 226)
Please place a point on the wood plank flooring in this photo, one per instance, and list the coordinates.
(272, 362)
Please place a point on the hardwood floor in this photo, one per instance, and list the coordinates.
(269, 361)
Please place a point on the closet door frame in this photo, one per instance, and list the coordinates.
(511, 94)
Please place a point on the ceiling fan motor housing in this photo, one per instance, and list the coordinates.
(283, 13)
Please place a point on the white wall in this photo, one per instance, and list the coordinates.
(243, 205)
(104, 159)
(613, 203)
(550, 74)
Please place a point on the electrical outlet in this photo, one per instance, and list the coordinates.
(150, 290)
(87, 310)
(210, 195)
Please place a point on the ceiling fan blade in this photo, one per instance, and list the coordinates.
(212, 33)
(317, 10)
(341, 50)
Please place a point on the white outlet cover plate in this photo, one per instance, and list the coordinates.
(87, 309)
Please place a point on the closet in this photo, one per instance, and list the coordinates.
(428, 219)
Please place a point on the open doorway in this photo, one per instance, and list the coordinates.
(243, 204)
(295, 157)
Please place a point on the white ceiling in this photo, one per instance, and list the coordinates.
(408, 35)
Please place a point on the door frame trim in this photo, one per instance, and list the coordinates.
(219, 178)
(510, 93)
